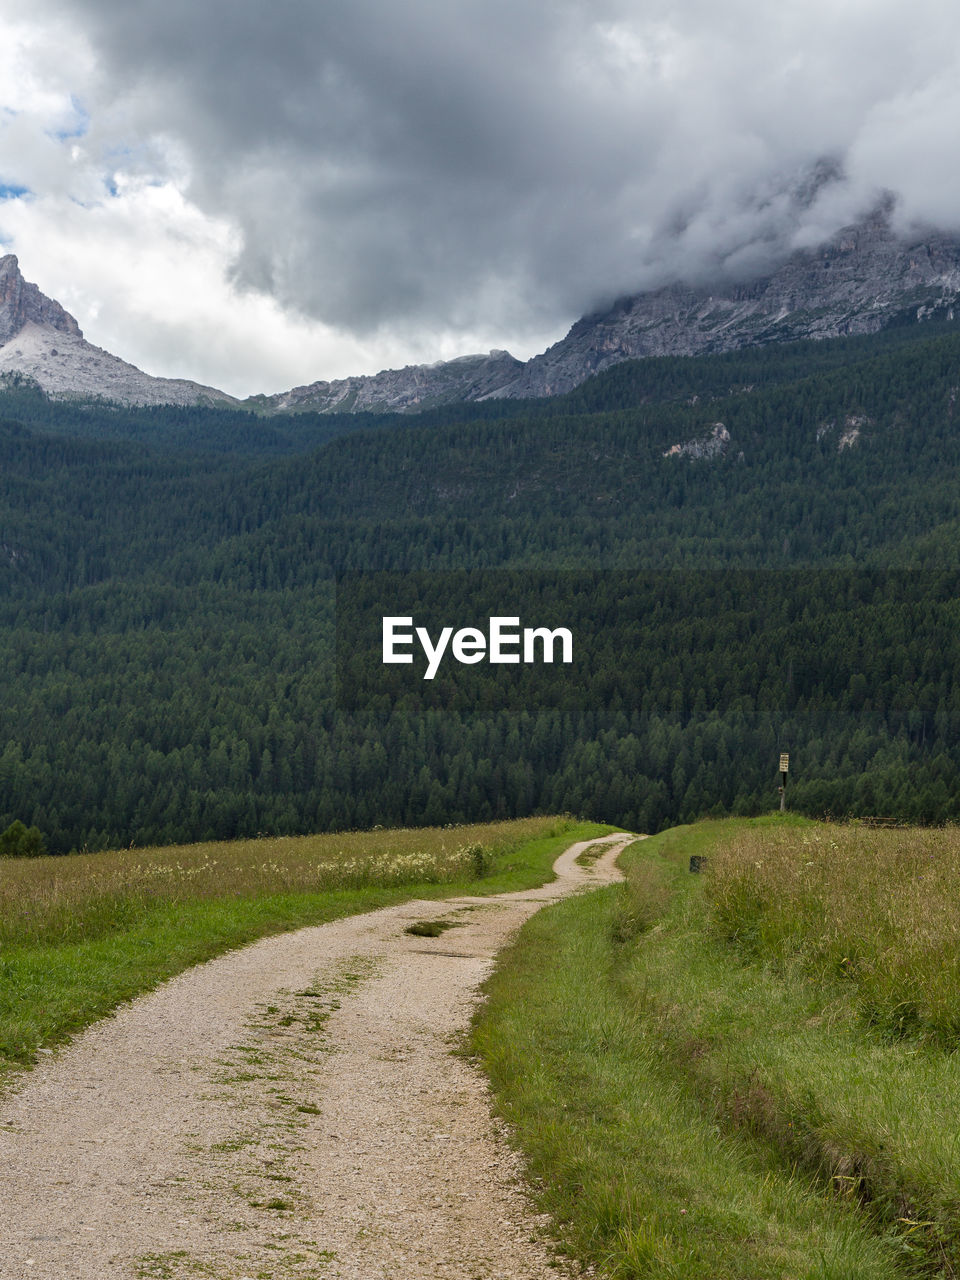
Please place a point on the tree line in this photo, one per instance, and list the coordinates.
(170, 614)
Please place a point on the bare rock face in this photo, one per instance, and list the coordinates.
(21, 302)
(856, 283)
(418, 386)
(67, 367)
(42, 342)
(709, 447)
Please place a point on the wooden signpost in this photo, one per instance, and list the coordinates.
(784, 769)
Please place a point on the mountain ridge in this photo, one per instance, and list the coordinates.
(41, 341)
(22, 303)
(854, 283)
(857, 282)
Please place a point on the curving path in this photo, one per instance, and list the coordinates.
(292, 1109)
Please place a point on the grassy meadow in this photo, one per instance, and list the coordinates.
(749, 1072)
(80, 934)
(877, 909)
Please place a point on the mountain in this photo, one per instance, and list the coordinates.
(419, 386)
(190, 647)
(42, 342)
(23, 304)
(862, 280)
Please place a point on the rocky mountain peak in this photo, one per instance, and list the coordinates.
(862, 279)
(22, 302)
(41, 341)
(418, 386)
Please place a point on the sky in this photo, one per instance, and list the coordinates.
(258, 195)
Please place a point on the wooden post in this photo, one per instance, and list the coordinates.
(784, 767)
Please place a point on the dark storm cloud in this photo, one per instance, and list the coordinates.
(435, 164)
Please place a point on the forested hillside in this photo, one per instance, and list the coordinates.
(167, 621)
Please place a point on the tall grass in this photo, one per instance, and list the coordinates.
(785, 1020)
(84, 896)
(775, 985)
(878, 910)
(80, 934)
(637, 1175)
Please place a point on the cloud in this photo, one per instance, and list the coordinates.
(393, 177)
(148, 275)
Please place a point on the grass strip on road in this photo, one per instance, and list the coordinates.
(81, 934)
(624, 1043)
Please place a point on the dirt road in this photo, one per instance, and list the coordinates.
(292, 1109)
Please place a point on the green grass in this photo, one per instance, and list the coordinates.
(689, 1111)
(430, 928)
(878, 909)
(781, 1046)
(79, 935)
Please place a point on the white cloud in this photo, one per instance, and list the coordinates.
(148, 277)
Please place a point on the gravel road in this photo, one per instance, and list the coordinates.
(291, 1109)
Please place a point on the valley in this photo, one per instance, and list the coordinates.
(479, 641)
(174, 581)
